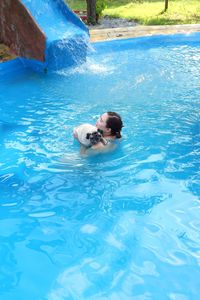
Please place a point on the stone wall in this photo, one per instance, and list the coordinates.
(19, 31)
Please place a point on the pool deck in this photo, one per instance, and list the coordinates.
(97, 35)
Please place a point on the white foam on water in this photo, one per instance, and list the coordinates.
(88, 67)
(42, 214)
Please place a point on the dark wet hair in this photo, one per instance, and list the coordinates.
(114, 122)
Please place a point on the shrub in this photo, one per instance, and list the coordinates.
(100, 6)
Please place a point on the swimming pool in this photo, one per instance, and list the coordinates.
(123, 225)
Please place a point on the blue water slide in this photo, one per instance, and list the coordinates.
(66, 35)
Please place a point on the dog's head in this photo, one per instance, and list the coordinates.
(94, 137)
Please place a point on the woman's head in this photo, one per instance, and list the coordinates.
(111, 124)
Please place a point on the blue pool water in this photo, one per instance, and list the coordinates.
(123, 225)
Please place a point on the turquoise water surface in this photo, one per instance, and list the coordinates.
(123, 225)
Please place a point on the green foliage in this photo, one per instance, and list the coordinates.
(100, 6)
(149, 12)
(77, 4)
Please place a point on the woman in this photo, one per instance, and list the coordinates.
(111, 125)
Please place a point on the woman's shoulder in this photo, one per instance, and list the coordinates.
(111, 140)
(109, 146)
(100, 148)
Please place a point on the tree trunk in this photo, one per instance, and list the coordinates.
(91, 12)
(166, 5)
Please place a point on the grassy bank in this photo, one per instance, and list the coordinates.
(150, 12)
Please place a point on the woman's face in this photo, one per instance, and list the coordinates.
(102, 123)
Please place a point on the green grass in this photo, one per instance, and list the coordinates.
(77, 4)
(149, 12)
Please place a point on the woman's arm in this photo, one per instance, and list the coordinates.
(96, 149)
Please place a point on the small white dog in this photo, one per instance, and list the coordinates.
(88, 135)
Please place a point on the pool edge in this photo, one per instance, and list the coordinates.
(108, 34)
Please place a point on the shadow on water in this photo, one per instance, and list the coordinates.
(7, 128)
